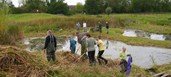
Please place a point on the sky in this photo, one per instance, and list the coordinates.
(69, 2)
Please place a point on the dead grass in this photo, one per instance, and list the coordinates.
(20, 63)
(16, 62)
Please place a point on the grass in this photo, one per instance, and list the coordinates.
(82, 69)
(29, 16)
(38, 24)
(67, 65)
(8, 34)
(155, 23)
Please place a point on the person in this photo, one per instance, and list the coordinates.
(78, 26)
(129, 65)
(90, 44)
(84, 26)
(72, 45)
(50, 46)
(100, 27)
(81, 38)
(101, 47)
(123, 62)
(107, 27)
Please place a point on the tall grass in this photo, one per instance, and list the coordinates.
(3, 19)
(8, 34)
(37, 23)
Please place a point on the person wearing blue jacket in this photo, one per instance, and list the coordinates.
(72, 45)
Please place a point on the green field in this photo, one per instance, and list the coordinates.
(38, 24)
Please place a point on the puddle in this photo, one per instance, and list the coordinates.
(139, 33)
(145, 57)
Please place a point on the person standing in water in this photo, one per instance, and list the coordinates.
(50, 46)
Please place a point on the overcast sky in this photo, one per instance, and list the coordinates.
(69, 2)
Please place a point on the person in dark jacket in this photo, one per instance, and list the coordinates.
(50, 46)
(100, 27)
(72, 45)
(107, 27)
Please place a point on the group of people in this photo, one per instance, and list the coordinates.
(88, 45)
(100, 26)
(78, 26)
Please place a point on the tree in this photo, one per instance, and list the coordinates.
(108, 10)
(35, 6)
(58, 8)
(93, 6)
(78, 8)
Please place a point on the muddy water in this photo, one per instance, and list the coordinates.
(145, 57)
(139, 33)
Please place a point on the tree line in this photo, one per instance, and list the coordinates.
(127, 6)
(91, 6)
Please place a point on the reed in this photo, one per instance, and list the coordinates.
(8, 34)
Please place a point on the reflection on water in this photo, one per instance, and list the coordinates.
(139, 33)
(145, 57)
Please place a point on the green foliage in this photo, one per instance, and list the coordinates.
(151, 6)
(94, 6)
(8, 34)
(108, 10)
(79, 8)
(127, 6)
(35, 6)
(3, 18)
(58, 8)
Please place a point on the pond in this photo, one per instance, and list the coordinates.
(139, 33)
(37, 43)
(144, 57)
